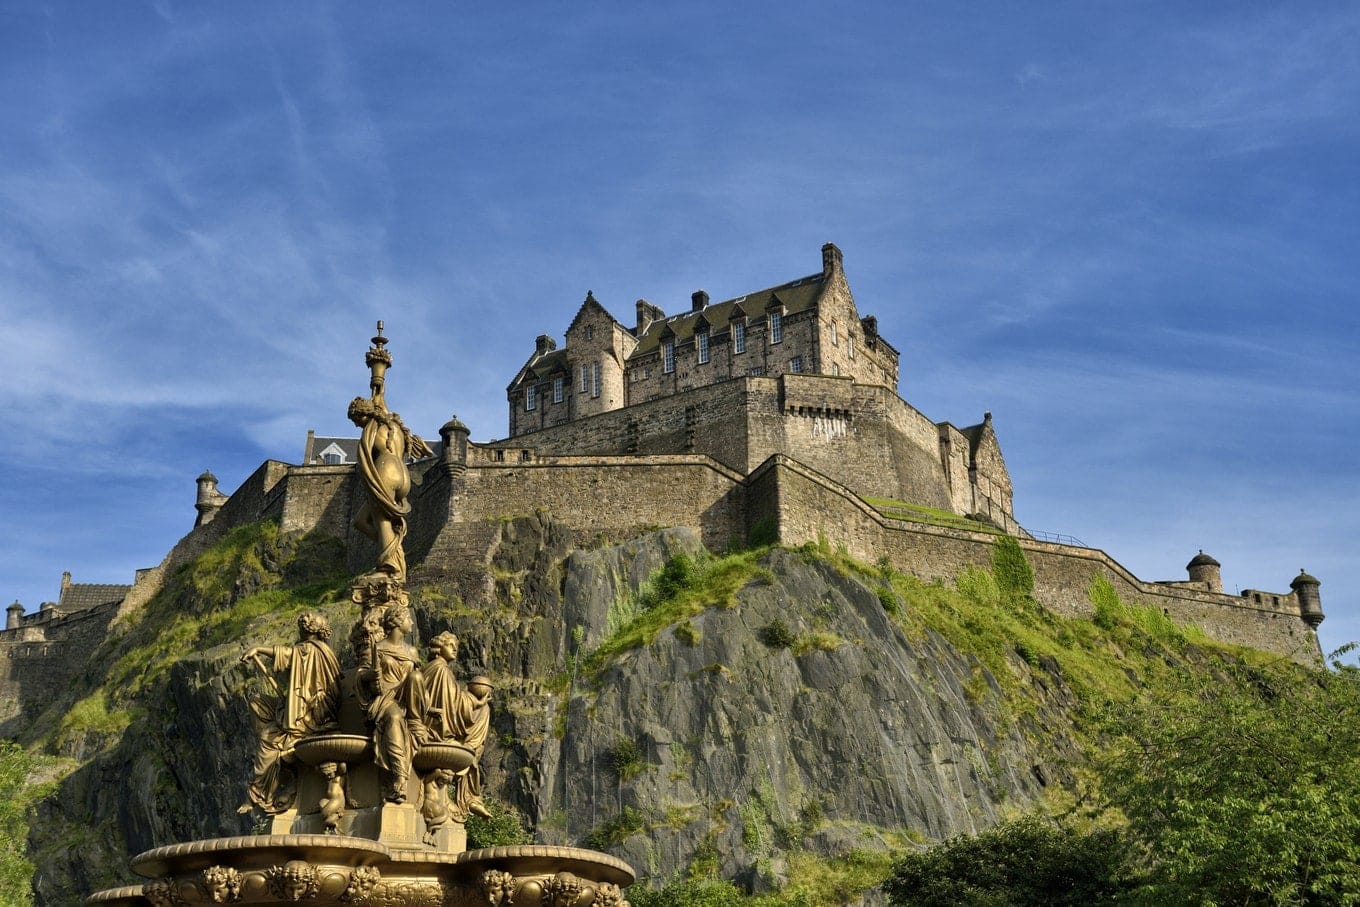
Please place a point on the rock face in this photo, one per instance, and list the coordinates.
(797, 716)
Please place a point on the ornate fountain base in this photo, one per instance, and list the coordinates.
(326, 870)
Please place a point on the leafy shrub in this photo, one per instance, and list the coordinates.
(625, 759)
(1029, 862)
(777, 635)
(504, 828)
(1014, 575)
(616, 829)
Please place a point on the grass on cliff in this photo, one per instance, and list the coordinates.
(232, 588)
(232, 593)
(681, 589)
(931, 516)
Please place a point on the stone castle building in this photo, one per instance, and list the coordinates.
(772, 416)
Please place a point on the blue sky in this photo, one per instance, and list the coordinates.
(1128, 230)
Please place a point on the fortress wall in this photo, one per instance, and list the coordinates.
(616, 496)
(809, 505)
(708, 420)
(37, 660)
(257, 497)
(318, 499)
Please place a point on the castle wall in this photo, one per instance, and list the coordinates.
(613, 497)
(809, 506)
(881, 445)
(43, 656)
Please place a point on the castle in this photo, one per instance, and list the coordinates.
(772, 416)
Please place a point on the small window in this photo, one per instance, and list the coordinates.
(835, 369)
(595, 380)
(850, 345)
(739, 337)
(835, 340)
(585, 380)
(755, 371)
(531, 398)
(668, 356)
(332, 459)
(559, 389)
(590, 332)
(796, 364)
(776, 327)
(702, 340)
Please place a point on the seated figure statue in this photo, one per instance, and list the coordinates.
(308, 706)
(458, 714)
(393, 695)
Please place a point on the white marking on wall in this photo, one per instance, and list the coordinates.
(830, 428)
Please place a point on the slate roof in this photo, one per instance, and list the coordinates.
(796, 295)
(83, 596)
(350, 446)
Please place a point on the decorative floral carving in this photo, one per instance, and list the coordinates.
(499, 888)
(607, 894)
(293, 880)
(563, 890)
(362, 881)
(163, 893)
(222, 884)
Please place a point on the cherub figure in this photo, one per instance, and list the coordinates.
(333, 802)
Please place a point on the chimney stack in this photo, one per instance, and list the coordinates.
(698, 301)
(544, 344)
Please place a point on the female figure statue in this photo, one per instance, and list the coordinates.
(308, 706)
(384, 447)
(393, 695)
(460, 715)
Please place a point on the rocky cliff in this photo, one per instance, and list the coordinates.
(746, 715)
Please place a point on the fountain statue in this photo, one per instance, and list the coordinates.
(367, 768)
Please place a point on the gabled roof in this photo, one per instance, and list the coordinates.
(592, 304)
(83, 596)
(541, 365)
(797, 296)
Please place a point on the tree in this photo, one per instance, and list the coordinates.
(1028, 862)
(1245, 788)
(16, 873)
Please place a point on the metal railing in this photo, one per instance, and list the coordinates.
(1057, 538)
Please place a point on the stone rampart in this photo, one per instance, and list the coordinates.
(807, 506)
(42, 656)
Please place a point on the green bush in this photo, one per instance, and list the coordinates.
(1014, 575)
(616, 829)
(625, 759)
(777, 635)
(1029, 862)
(505, 827)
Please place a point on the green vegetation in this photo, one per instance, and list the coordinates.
(616, 829)
(504, 828)
(813, 881)
(919, 513)
(15, 802)
(625, 759)
(681, 589)
(1027, 862)
(777, 635)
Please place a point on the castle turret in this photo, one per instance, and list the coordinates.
(13, 615)
(1204, 569)
(454, 436)
(1310, 602)
(209, 498)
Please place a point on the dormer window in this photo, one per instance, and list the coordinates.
(776, 327)
(332, 459)
(702, 340)
(668, 356)
(530, 399)
(739, 337)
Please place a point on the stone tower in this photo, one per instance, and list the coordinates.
(1310, 602)
(1204, 569)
